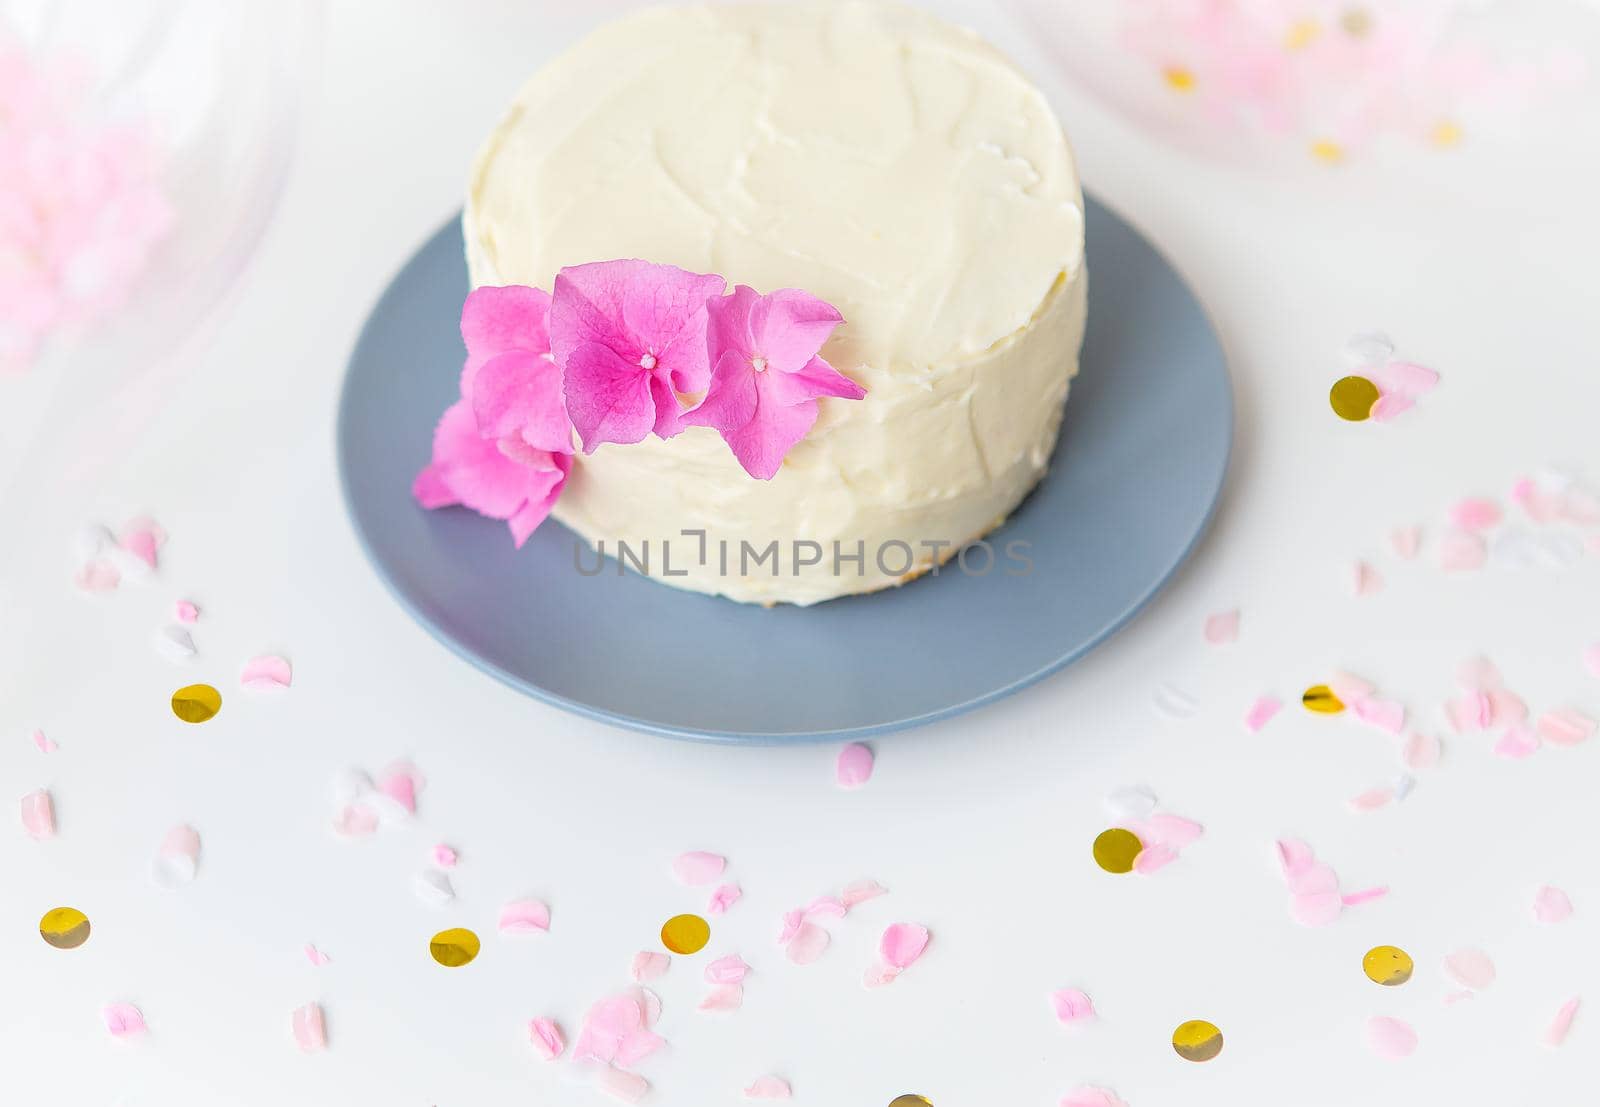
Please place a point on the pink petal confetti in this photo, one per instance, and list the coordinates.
(1365, 895)
(629, 1087)
(123, 1020)
(400, 783)
(1475, 513)
(902, 944)
(315, 955)
(548, 1041)
(1294, 856)
(827, 907)
(525, 916)
(1364, 579)
(1551, 905)
(1565, 727)
(1071, 1005)
(444, 856)
(724, 997)
(1385, 715)
(1172, 830)
(1315, 908)
(178, 858)
(727, 970)
(142, 539)
(1478, 673)
(1406, 542)
(1153, 858)
(1517, 743)
(1372, 799)
(859, 891)
(1391, 1038)
(310, 1032)
(723, 897)
(878, 975)
(267, 673)
(185, 612)
(1391, 405)
(1222, 628)
(1262, 712)
(697, 867)
(1350, 688)
(768, 1087)
(1470, 968)
(1562, 1023)
(42, 743)
(648, 965)
(807, 944)
(1088, 1096)
(1420, 751)
(97, 577)
(355, 821)
(39, 815)
(854, 765)
(1460, 552)
(1591, 659)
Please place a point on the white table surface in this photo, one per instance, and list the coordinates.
(1480, 262)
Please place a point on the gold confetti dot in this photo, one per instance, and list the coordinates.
(195, 703)
(64, 927)
(1387, 965)
(1178, 78)
(1197, 1040)
(1116, 850)
(911, 1099)
(1357, 22)
(454, 947)
(1302, 33)
(685, 933)
(1327, 151)
(1352, 398)
(1445, 133)
(1320, 698)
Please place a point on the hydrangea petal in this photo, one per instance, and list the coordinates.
(608, 399)
(789, 326)
(497, 320)
(520, 393)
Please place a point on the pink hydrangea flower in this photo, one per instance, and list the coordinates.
(766, 374)
(505, 479)
(630, 336)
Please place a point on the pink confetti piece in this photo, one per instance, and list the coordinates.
(723, 897)
(1154, 858)
(1460, 552)
(310, 1032)
(1551, 905)
(629, 1087)
(1262, 712)
(39, 815)
(1591, 659)
(548, 1041)
(1315, 908)
(315, 955)
(524, 916)
(1365, 895)
(178, 858)
(1391, 405)
(142, 540)
(400, 784)
(1385, 715)
(1088, 1096)
(1420, 751)
(97, 577)
(1562, 1023)
(808, 943)
(731, 969)
(902, 944)
(860, 891)
(1222, 628)
(1406, 542)
(768, 1087)
(1516, 743)
(1364, 579)
(1470, 968)
(123, 1020)
(723, 997)
(1350, 688)
(1478, 673)
(1565, 727)
(698, 867)
(355, 821)
(648, 965)
(1071, 1006)
(1372, 799)
(1391, 1038)
(42, 743)
(1460, 996)
(1475, 513)
(185, 612)
(266, 673)
(616, 1029)
(444, 856)
(826, 907)
(854, 765)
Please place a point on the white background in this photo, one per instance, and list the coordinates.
(1481, 262)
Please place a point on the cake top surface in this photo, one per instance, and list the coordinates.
(883, 160)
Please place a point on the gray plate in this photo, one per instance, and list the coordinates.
(1131, 488)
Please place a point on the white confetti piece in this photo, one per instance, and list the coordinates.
(175, 643)
(178, 857)
(433, 888)
(1133, 802)
(1173, 703)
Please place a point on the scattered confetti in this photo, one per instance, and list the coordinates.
(1470, 968)
(1551, 905)
(1565, 727)
(1365, 580)
(1373, 799)
(1591, 659)
(123, 1020)
(1562, 1023)
(175, 643)
(648, 965)
(178, 857)
(444, 856)
(524, 916)
(911, 1100)
(546, 1036)
(64, 927)
(723, 897)
(808, 943)
(196, 703)
(185, 612)
(1262, 712)
(1222, 628)
(900, 947)
(1088, 1096)
(723, 997)
(1134, 802)
(39, 815)
(1516, 743)
(731, 969)
(267, 673)
(454, 947)
(1475, 513)
(1385, 715)
(768, 1087)
(618, 1030)
(1071, 1006)
(854, 766)
(696, 868)
(42, 743)
(1197, 1040)
(399, 784)
(310, 1032)
(1406, 542)
(1387, 965)
(1461, 552)
(1391, 1038)
(1353, 398)
(315, 955)
(685, 934)
(1173, 703)
(621, 1084)
(1420, 751)
(860, 891)
(1116, 850)
(1314, 895)
(433, 888)
(1320, 699)
(138, 547)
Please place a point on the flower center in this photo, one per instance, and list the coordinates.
(648, 361)
(759, 364)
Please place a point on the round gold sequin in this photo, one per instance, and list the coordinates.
(1320, 698)
(1445, 133)
(454, 947)
(1178, 78)
(195, 703)
(1352, 398)
(1327, 151)
(1116, 850)
(1387, 965)
(1356, 22)
(64, 927)
(911, 1099)
(1197, 1040)
(685, 933)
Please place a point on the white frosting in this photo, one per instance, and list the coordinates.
(894, 165)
